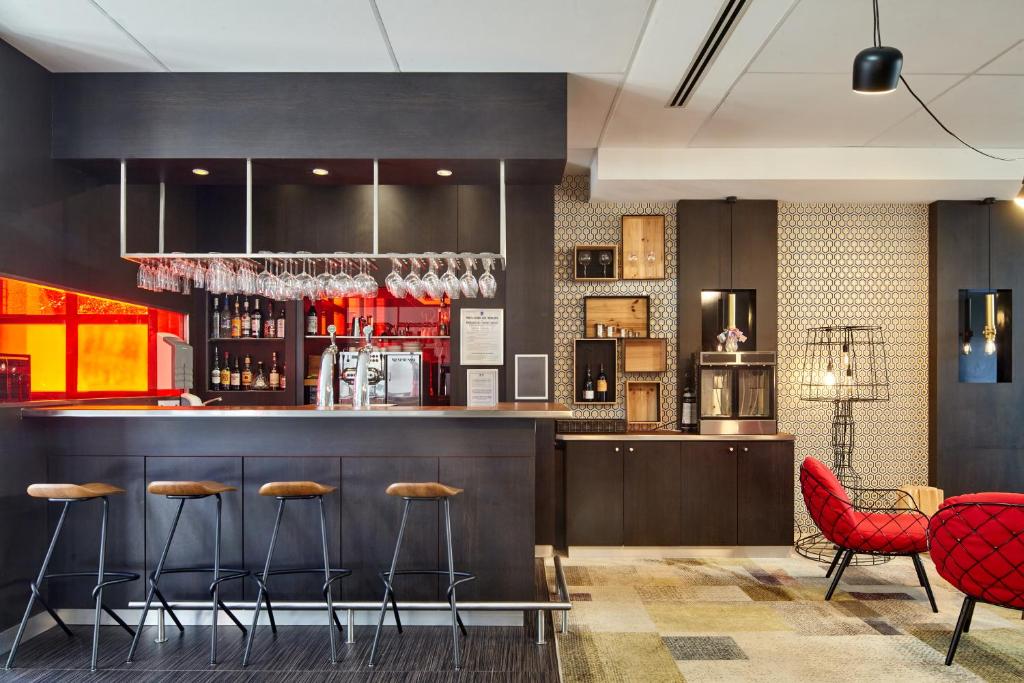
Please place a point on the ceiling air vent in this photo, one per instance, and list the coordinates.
(709, 49)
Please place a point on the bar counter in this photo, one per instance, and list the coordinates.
(490, 452)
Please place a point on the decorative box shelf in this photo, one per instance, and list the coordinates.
(643, 403)
(624, 312)
(644, 355)
(594, 271)
(643, 247)
(595, 353)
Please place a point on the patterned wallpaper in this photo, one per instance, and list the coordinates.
(577, 221)
(863, 264)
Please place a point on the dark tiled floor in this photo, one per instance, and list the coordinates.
(298, 653)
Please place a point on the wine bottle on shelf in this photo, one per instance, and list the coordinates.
(246, 319)
(225, 373)
(236, 376)
(311, 323)
(236, 321)
(602, 384)
(279, 327)
(215, 323)
(275, 374)
(284, 376)
(247, 373)
(269, 325)
(588, 386)
(256, 323)
(259, 380)
(215, 372)
(225, 321)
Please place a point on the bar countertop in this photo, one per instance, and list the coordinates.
(537, 411)
(667, 435)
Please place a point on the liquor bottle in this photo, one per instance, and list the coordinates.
(225, 321)
(280, 324)
(269, 326)
(311, 323)
(215, 323)
(215, 372)
(588, 386)
(247, 374)
(246, 319)
(602, 384)
(259, 380)
(236, 321)
(275, 375)
(284, 376)
(225, 374)
(236, 376)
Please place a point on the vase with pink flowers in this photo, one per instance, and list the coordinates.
(730, 339)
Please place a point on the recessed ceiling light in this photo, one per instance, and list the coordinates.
(200, 171)
(320, 171)
(444, 172)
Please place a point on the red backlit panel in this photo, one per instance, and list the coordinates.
(81, 345)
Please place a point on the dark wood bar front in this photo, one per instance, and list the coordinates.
(490, 453)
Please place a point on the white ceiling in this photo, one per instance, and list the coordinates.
(780, 82)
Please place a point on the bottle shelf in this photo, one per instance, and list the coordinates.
(246, 391)
(404, 337)
(246, 339)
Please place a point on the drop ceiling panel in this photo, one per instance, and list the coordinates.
(70, 35)
(1011, 62)
(807, 110)
(256, 35)
(590, 97)
(583, 36)
(984, 110)
(936, 36)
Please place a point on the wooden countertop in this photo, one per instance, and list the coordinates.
(537, 411)
(669, 435)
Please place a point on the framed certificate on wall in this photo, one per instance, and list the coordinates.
(482, 336)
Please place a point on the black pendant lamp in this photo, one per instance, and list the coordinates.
(876, 69)
(1019, 199)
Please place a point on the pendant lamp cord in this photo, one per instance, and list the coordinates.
(990, 246)
(877, 37)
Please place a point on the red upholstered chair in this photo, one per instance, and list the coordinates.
(977, 544)
(873, 525)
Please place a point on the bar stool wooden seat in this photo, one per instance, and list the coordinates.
(284, 491)
(71, 494)
(183, 491)
(415, 492)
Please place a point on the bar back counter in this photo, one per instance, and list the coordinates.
(489, 452)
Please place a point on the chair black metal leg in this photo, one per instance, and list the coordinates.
(451, 583)
(387, 587)
(120, 622)
(34, 590)
(170, 612)
(233, 618)
(965, 612)
(922, 576)
(262, 591)
(153, 582)
(835, 561)
(970, 617)
(216, 584)
(99, 588)
(394, 609)
(327, 578)
(53, 615)
(270, 611)
(839, 574)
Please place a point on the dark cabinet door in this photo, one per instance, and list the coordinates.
(708, 493)
(594, 493)
(765, 492)
(651, 493)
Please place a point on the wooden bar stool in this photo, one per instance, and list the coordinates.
(68, 494)
(183, 491)
(285, 491)
(414, 493)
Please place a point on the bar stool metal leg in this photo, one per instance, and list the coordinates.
(99, 588)
(388, 589)
(35, 589)
(215, 587)
(153, 582)
(263, 585)
(327, 584)
(451, 583)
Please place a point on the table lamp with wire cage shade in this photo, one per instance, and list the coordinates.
(842, 365)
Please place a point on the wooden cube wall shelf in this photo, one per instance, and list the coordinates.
(643, 247)
(643, 403)
(595, 353)
(624, 312)
(594, 271)
(645, 355)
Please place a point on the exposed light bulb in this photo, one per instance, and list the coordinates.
(966, 348)
(990, 346)
(1019, 199)
(846, 356)
(830, 375)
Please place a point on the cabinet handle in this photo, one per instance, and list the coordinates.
(616, 449)
(746, 450)
(630, 449)
(731, 449)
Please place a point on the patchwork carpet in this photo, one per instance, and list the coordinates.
(766, 620)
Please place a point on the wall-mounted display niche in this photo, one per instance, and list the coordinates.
(985, 335)
(722, 308)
